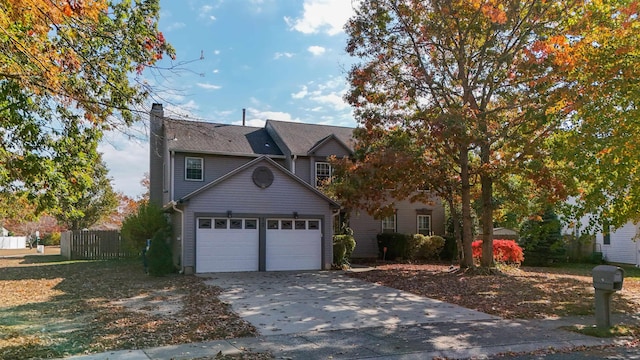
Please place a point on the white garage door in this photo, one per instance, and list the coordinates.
(293, 244)
(224, 245)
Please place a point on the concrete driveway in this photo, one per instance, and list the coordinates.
(301, 302)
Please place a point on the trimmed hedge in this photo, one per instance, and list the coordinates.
(422, 247)
(505, 251)
(395, 243)
(411, 247)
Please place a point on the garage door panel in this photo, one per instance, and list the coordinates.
(232, 248)
(293, 245)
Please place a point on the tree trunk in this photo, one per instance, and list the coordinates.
(487, 221)
(457, 232)
(467, 234)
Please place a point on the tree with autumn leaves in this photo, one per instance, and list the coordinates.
(450, 94)
(69, 70)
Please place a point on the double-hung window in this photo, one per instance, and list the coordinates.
(323, 173)
(424, 224)
(389, 224)
(193, 169)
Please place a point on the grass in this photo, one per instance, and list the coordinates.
(517, 293)
(53, 308)
(614, 331)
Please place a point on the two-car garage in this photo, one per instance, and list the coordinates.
(257, 243)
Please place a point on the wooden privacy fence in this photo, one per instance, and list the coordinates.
(93, 245)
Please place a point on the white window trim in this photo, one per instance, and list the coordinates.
(395, 223)
(429, 230)
(186, 161)
(316, 170)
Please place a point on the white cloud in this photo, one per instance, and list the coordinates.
(329, 93)
(208, 86)
(187, 109)
(206, 9)
(334, 99)
(205, 12)
(316, 50)
(124, 157)
(300, 94)
(279, 55)
(256, 117)
(328, 16)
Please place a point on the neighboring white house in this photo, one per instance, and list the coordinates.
(616, 245)
(620, 245)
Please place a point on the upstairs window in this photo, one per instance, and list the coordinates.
(323, 173)
(193, 169)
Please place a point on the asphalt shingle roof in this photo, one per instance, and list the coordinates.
(204, 137)
(300, 138)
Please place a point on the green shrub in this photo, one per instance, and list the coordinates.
(395, 243)
(343, 246)
(52, 239)
(143, 225)
(542, 240)
(450, 250)
(422, 247)
(159, 256)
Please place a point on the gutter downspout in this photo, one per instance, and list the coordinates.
(173, 206)
(293, 164)
(171, 174)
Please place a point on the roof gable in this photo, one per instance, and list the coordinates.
(253, 163)
(301, 138)
(328, 141)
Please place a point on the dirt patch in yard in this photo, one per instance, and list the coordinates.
(52, 308)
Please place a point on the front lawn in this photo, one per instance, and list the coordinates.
(51, 308)
(525, 293)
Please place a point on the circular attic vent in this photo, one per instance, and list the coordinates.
(262, 177)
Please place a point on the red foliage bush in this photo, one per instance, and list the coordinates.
(506, 251)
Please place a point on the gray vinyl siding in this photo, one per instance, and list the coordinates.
(407, 217)
(282, 198)
(215, 166)
(303, 169)
(365, 227)
(332, 147)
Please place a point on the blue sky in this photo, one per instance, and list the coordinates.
(278, 59)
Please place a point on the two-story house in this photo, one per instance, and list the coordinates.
(246, 198)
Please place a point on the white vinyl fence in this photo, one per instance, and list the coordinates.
(13, 242)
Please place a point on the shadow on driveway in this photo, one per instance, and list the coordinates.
(301, 302)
